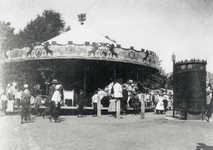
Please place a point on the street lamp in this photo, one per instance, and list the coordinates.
(173, 60)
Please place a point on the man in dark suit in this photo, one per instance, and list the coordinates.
(124, 100)
(80, 103)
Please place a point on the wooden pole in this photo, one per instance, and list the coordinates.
(142, 106)
(118, 108)
(99, 107)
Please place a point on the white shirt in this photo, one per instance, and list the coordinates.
(95, 98)
(56, 97)
(3, 98)
(117, 90)
(166, 97)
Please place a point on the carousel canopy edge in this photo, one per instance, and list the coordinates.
(94, 51)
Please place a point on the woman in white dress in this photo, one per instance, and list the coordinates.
(160, 107)
(10, 93)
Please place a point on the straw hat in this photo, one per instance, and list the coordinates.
(26, 86)
(54, 81)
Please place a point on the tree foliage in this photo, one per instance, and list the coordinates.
(6, 36)
(43, 28)
(159, 79)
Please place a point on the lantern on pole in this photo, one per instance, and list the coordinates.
(173, 58)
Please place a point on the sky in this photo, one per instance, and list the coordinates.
(180, 27)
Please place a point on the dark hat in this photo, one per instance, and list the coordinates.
(39, 91)
(54, 81)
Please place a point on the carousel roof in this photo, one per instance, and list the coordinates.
(80, 35)
(84, 44)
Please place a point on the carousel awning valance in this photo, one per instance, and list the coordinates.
(82, 43)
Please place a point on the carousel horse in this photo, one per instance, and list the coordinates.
(95, 48)
(48, 51)
(111, 49)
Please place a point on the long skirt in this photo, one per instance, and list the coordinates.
(10, 105)
(160, 106)
(112, 106)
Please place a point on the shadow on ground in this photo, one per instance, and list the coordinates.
(202, 146)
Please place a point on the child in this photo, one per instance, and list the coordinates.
(47, 109)
(3, 101)
(38, 102)
(94, 103)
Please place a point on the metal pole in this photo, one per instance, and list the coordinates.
(85, 80)
(137, 76)
(114, 74)
(173, 89)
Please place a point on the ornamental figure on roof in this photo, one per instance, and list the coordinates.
(82, 18)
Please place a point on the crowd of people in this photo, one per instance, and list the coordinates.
(52, 102)
(128, 94)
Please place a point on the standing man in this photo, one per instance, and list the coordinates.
(80, 103)
(165, 102)
(124, 101)
(52, 88)
(55, 103)
(25, 104)
(51, 91)
(118, 95)
(209, 105)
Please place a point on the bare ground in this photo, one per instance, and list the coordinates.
(155, 132)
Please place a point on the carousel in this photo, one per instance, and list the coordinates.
(78, 59)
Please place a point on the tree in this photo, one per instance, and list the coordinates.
(43, 28)
(6, 36)
(156, 80)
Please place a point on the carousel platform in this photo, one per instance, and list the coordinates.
(72, 110)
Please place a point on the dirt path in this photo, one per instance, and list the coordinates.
(105, 133)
